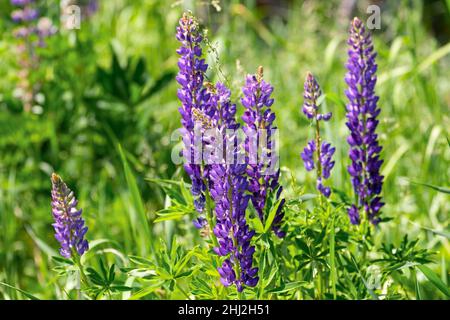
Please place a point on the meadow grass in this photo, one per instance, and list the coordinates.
(110, 180)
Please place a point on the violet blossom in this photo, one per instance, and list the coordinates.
(69, 224)
(317, 154)
(362, 113)
(258, 128)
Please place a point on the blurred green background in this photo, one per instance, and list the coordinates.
(112, 82)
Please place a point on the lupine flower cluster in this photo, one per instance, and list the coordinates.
(258, 127)
(222, 175)
(69, 224)
(362, 113)
(193, 96)
(228, 190)
(207, 110)
(31, 33)
(317, 154)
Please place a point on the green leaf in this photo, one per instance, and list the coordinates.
(139, 74)
(302, 245)
(146, 291)
(307, 196)
(121, 288)
(271, 216)
(173, 213)
(95, 277)
(440, 189)
(257, 224)
(332, 255)
(40, 243)
(26, 294)
(435, 280)
(288, 287)
(141, 261)
(434, 57)
(143, 224)
(366, 284)
(184, 274)
(182, 263)
(103, 269)
(112, 274)
(159, 84)
(119, 79)
(62, 260)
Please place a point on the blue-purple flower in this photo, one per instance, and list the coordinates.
(362, 113)
(317, 154)
(258, 127)
(69, 224)
(194, 99)
(228, 190)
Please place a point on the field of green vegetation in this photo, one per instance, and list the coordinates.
(103, 115)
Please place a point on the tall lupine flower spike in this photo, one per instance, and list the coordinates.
(228, 188)
(69, 224)
(317, 154)
(258, 118)
(362, 113)
(194, 98)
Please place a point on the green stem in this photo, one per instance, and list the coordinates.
(319, 284)
(210, 215)
(77, 260)
(261, 279)
(332, 256)
(416, 284)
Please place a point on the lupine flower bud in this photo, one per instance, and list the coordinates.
(362, 113)
(315, 157)
(69, 224)
(311, 94)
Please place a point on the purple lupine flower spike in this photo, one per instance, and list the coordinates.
(228, 189)
(69, 224)
(362, 113)
(315, 157)
(258, 118)
(194, 98)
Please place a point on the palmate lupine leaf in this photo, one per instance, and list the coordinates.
(176, 190)
(180, 197)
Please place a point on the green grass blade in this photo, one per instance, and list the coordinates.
(142, 223)
(435, 280)
(26, 294)
(434, 57)
(440, 189)
(332, 257)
